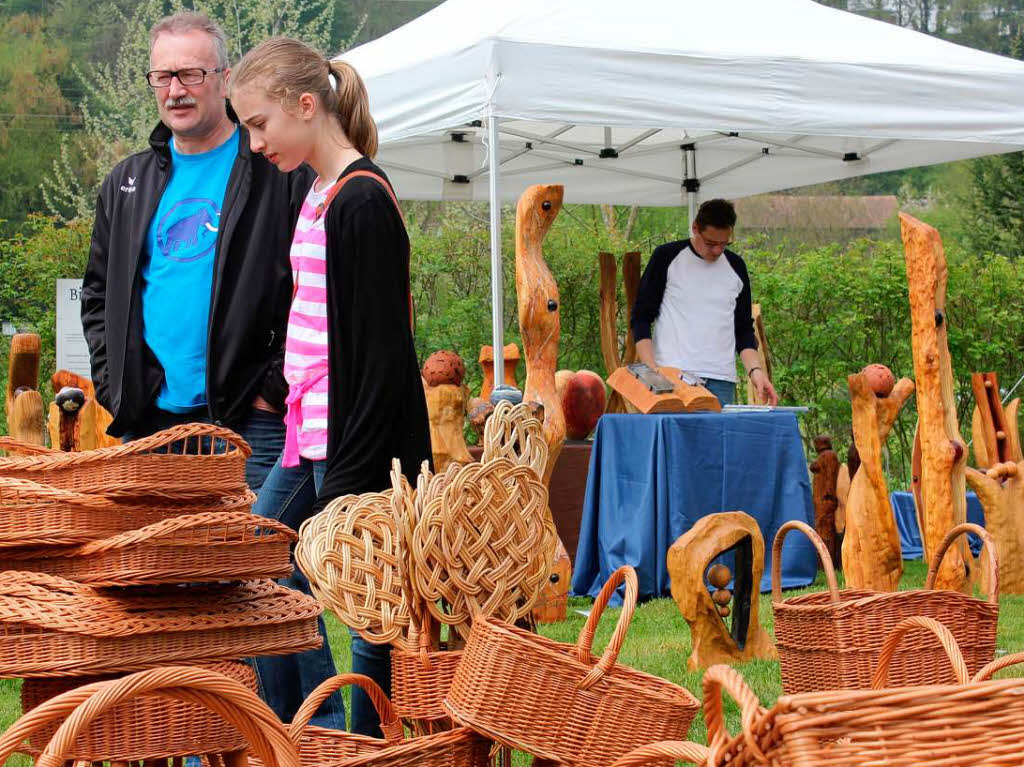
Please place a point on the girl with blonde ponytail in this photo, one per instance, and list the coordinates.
(356, 399)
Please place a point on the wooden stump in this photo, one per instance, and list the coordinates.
(763, 354)
(871, 545)
(826, 475)
(553, 602)
(539, 322)
(446, 409)
(23, 404)
(689, 562)
(1001, 492)
(510, 356)
(940, 486)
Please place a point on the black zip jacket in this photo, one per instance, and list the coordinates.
(252, 285)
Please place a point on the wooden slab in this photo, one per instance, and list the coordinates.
(683, 399)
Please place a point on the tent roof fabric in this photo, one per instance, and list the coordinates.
(602, 95)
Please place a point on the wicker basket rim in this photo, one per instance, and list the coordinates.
(822, 600)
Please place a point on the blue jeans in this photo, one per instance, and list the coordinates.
(724, 390)
(288, 495)
(262, 430)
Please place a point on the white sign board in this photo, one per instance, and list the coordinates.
(72, 351)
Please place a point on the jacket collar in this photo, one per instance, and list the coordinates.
(160, 140)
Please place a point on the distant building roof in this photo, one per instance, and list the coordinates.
(782, 211)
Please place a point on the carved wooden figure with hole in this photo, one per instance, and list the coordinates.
(699, 589)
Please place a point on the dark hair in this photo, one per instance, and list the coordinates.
(287, 68)
(718, 213)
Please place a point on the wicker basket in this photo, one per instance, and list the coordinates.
(149, 725)
(52, 627)
(12, 446)
(665, 753)
(320, 746)
(971, 724)
(830, 640)
(219, 546)
(554, 701)
(420, 679)
(33, 514)
(189, 461)
(261, 732)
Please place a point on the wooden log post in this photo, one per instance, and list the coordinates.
(940, 485)
(539, 319)
(610, 351)
(446, 410)
(763, 354)
(1001, 492)
(871, 545)
(23, 404)
(825, 469)
(699, 589)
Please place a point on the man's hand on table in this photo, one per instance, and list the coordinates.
(765, 391)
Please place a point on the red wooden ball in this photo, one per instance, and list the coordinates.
(444, 367)
(880, 379)
(583, 402)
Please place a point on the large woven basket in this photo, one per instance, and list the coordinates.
(421, 678)
(188, 461)
(554, 701)
(53, 627)
(977, 723)
(34, 514)
(831, 640)
(320, 746)
(147, 726)
(218, 546)
(76, 711)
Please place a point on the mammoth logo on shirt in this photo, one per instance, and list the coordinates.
(188, 231)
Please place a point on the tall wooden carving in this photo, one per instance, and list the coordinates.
(23, 403)
(446, 409)
(77, 421)
(699, 589)
(940, 485)
(610, 316)
(995, 435)
(871, 547)
(825, 469)
(763, 354)
(1001, 492)
(539, 322)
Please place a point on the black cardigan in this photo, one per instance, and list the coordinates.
(376, 408)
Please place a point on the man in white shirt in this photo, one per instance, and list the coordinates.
(702, 305)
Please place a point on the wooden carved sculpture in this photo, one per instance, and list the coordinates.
(826, 474)
(23, 403)
(610, 317)
(76, 420)
(510, 355)
(699, 589)
(1001, 492)
(940, 459)
(847, 471)
(539, 322)
(764, 354)
(994, 431)
(442, 374)
(684, 397)
(871, 545)
(553, 601)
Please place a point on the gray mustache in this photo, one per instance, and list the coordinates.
(181, 101)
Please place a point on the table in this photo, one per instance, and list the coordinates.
(910, 534)
(652, 477)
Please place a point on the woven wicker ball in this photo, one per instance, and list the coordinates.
(444, 367)
(880, 378)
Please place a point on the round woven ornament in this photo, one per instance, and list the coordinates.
(350, 554)
(484, 546)
(513, 432)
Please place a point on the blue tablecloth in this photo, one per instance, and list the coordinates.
(910, 533)
(652, 477)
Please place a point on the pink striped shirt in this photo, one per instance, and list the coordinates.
(305, 348)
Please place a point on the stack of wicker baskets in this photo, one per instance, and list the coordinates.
(133, 556)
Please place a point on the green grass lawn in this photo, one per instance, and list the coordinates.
(658, 643)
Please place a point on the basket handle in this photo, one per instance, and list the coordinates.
(905, 626)
(655, 753)
(13, 446)
(223, 696)
(823, 556)
(56, 494)
(717, 680)
(183, 431)
(998, 665)
(624, 574)
(390, 724)
(988, 546)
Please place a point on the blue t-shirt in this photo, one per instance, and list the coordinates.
(177, 276)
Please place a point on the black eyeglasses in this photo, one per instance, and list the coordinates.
(161, 78)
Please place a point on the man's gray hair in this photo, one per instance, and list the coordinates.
(189, 21)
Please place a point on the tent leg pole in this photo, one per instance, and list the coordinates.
(497, 294)
(691, 201)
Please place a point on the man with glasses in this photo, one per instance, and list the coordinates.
(185, 297)
(702, 305)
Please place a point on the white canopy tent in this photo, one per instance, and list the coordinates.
(657, 102)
